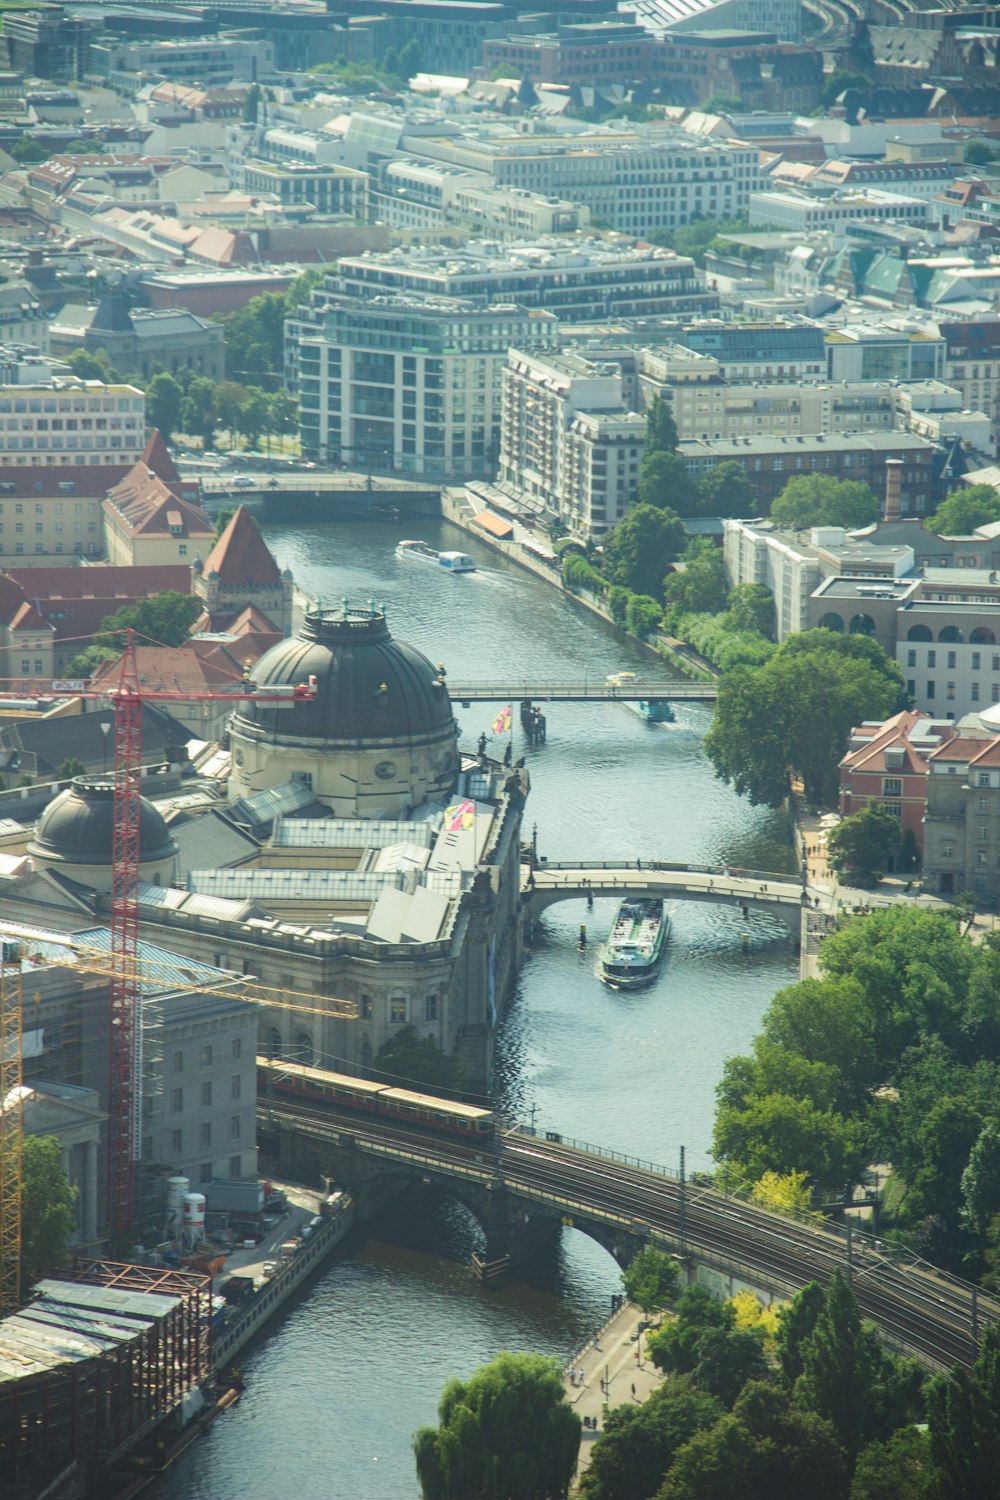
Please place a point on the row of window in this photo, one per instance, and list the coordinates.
(950, 692)
(399, 1006)
(177, 1095)
(205, 1133)
(952, 659)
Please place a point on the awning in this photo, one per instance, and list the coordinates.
(495, 525)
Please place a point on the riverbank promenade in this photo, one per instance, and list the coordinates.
(611, 1370)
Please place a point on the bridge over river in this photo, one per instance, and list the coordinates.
(539, 690)
(524, 1186)
(546, 881)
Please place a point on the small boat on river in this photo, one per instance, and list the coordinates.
(653, 710)
(452, 562)
(634, 951)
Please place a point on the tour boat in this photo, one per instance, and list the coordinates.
(634, 950)
(452, 562)
(653, 710)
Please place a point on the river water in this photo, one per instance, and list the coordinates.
(334, 1394)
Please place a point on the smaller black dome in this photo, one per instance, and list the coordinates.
(77, 827)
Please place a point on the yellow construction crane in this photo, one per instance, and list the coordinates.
(20, 946)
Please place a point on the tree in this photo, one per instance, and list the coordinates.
(963, 1414)
(642, 616)
(639, 549)
(411, 59)
(28, 152)
(165, 618)
(981, 1180)
(964, 510)
(697, 237)
(651, 1280)
(787, 1194)
(418, 1062)
(47, 1216)
(665, 482)
(701, 588)
(71, 766)
(87, 366)
(860, 845)
(779, 1133)
(725, 1360)
(199, 415)
(229, 397)
(282, 413)
(673, 1347)
(726, 490)
(840, 80)
(255, 337)
(163, 404)
(252, 103)
(661, 429)
(900, 1469)
(750, 610)
(795, 713)
(639, 1443)
(86, 663)
(253, 416)
(223, 518)
(978, 154)
(507, 1433)
(820, 500)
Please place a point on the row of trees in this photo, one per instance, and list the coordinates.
(796, 1403)
(892, 1055)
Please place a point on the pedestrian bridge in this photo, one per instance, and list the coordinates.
(564, 880)
(540, 691)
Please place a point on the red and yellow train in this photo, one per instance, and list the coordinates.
(315, 1085)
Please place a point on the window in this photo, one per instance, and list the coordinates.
(205, 1133)
(951, 690)
(366, 1007)
(947, 851)
(892, 786)
(206, 1055)
(983, 778)
(981, 860)
(235, 1165)
(896, 808)
(177, 1140)
(974, 692)
(430, 1007)
(983, 833)
(205, 1173)
(178, 1062)
(932, 658)
(982, 804)
(177, 1100)
(975, 660)
(397, 1010)
(206, 1093)
(911, 658)
(235, 1085)
(952, 659)
(236, 1046)
(930, 690)
(235, 1127)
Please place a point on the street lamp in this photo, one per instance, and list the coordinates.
(106, 730)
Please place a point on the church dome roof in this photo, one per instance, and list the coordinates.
(368, 685)
(77, 827)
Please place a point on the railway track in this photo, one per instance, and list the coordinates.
(925, 1314)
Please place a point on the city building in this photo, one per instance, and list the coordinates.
(211, 61)
(420, 195)
(569, 445)
(793, 351)
(803, 212)
(972, 364)
(330, 190)
(49, 418)
(888, 350)
(886, 764)
(147, 520)
(770, 461)
(239, 573)
(143, 339)
(408, 381)
(580, 280)
(962, 822)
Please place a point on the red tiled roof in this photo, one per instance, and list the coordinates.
(241, 555)
(957, 749)
(142, 500)
(89, 481)
(197, 665)
(990, 756)
(102, 581)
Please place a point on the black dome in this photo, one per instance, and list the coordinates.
(368, 686)
(77, 827)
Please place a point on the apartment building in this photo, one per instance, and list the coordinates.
(806, 211)
(329, 189)
(886, 764)
(405, 382)
(972, 364)
(581, 280)
(885, 351)
(212, 61)
(568, 443)
(419, 195)
(962, 821)
(49, 418)
(792, 351)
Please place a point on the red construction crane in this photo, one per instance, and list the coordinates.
(127, 694)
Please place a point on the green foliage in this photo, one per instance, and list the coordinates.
(661, 429)
(651, 1280)
(963, 1414)
(47, 1217)
(725, 1360)
(751, 610)
(712, 638)
(859, 847)
(506, 1432)
(413, 1061)
(88, 366)
(223, 518)
(665, 482)
(981, 1180)
(165, 619)
(410, 59)
(795, 713)
(840, 80)
(964, 510)
(163, 404)
(639, 1443)
(639, 549)
(776, 1132)
(695, 238)
(900, 1469)
(255, 337)
(86, 663)
(702, 587)
(199, 415)
(726, 490)
(618, 603)
(674, 1346)
(252, 103)
(71, 766)
(28, 152)
(820, 500)
(642, 616)
(578, 573)
(978, 154)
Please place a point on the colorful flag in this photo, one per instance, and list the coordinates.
(502, 721)
(460, 815)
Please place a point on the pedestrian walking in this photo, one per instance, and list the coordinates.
(633, 1390)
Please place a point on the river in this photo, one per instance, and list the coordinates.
(335, 1393)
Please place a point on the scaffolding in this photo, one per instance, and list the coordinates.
(11, 1126)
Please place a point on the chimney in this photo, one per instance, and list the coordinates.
(893, 508)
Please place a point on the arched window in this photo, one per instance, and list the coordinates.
(862, 625)
(270, 1041)
(981, 636)
(919, 633)
(304, 1048)
(950, 633)
(832, 622)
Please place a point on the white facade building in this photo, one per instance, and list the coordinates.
(804, 212)
(48, 419)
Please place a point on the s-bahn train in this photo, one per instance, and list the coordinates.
(315, 1085)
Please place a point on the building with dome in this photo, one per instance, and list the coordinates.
(75, 836)
(378, 740)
